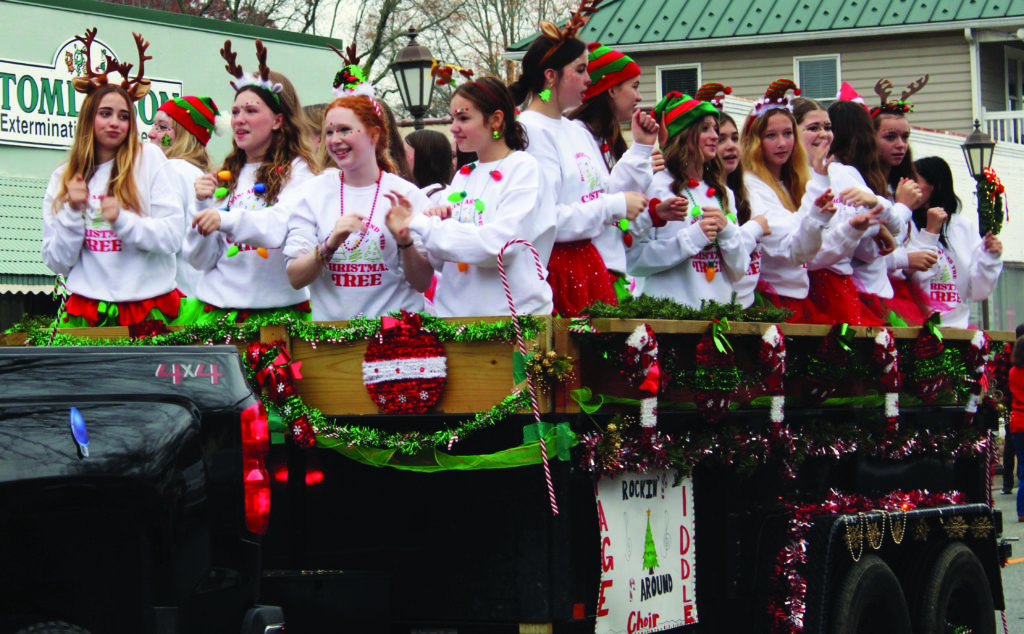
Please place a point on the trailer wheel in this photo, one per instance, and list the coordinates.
(869, 600)
(955, 594)
(52, 627)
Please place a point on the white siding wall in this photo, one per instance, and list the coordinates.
(944, 104)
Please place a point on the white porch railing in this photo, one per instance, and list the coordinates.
(1006, 126)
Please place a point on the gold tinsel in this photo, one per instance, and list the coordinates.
(548, 368)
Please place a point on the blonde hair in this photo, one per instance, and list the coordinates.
(186, 146)
(82, 156)
(795, 173)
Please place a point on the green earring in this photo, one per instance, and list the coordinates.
(496, 134)
(545, 95)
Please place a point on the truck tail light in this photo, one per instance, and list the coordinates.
(255, 446)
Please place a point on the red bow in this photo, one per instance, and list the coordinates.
(279, 371)
(408, 322)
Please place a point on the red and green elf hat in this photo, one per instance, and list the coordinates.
(607, 68)
(777, 96)
(197, 114)
(676, 111)
(713, 93)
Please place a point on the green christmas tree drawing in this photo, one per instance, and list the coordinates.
(650, 554)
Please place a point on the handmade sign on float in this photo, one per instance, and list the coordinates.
(648, 579)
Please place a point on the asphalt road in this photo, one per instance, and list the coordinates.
(1013, 573)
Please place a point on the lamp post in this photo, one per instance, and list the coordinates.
(979, 149)
(412, 74)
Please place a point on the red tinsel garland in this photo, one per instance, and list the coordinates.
(828, 367)
(713, 357)
(405, 368)
(275, 373)
(928, 349)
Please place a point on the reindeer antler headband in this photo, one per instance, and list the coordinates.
(576, 21)
(883, 88)
(261, 78)
(137, 87)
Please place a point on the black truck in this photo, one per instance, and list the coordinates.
(133, 490)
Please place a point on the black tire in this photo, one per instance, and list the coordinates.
(52, 627)
(869, 600)
(954, 593)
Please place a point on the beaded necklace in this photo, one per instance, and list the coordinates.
(696, 211)
(369, 219)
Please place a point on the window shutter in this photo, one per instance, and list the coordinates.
(683, 80)
(819, 79)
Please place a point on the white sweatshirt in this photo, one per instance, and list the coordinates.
(795, 237)
(839, 239)
(513, 207)
(675, 258)
(247, 279)
(632, 173)
(365, 276)
(187, 277)
(572, 175)
(965, 272)
(132, 258)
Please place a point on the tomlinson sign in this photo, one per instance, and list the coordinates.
(39, 106)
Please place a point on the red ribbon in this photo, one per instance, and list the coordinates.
(408, 322)
(652, 380)
(279, 371)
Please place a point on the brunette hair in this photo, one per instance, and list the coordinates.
(490, 95)
(599, 116)
(531, 80)
(187, 147)
(681, 150)
(433, 158)
(802, 106)
(396, 151)
(795, 173)
(1017, 357)
(82, 156)
(735, 180)
(286, 143)
(366, 111)
(906, 167)
(936, 171)
(853, 143)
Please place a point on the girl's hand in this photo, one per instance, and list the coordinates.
(399, 216)
(206, 221)
(344, 227)
(861, 222)
(908, 192)
(636, 203)
(674, 208)
(824, 202)
(818, 155)
(761, 220)
(857, 197)
(921, 260)
(110, 208)
(936, 218)
(644, 128)
(657, 160)
(884, 241)
(78, 193)
(709, 225)
(443, 213)
(721, 222)
(205, 185)
(993, 244)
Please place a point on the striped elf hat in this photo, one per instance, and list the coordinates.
(607, 68)
(777, 96)
(676, 111)
(713, 93)
(197, 114)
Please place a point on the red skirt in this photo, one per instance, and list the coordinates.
(874, 308)
(836, 297)
(578, 277)
(908, 301)
(804, 310)
(128, 313)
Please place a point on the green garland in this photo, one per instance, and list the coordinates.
(645, 307)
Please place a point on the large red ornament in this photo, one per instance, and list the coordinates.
(404, 369)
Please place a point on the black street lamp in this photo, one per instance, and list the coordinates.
(412, 73)
(979, 149)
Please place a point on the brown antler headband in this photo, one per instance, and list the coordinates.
(261, 78)
(137, 87)
(576, 21)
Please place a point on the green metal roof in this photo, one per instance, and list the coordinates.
(625, 22)
(21, 233)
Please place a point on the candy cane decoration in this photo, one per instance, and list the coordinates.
(522, 351)
(59, 288)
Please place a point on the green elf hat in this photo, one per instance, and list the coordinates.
(676, 111)
(607, 68)
(197, 114)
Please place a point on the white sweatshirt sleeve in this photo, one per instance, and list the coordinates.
(803, 243)
(267, 228)
(161, 230)
(633, 172)
(63, 230)
(654, 255)
(984, 267)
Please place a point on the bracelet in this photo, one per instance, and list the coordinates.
(324, 253)
(655, 219)
(402, 247)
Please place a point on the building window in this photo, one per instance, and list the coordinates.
(684, 78)
(818, 77)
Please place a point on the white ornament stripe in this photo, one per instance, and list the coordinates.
(404, 369)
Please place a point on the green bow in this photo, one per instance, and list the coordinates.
(718, 329)
(845, 336)
(932, 325)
